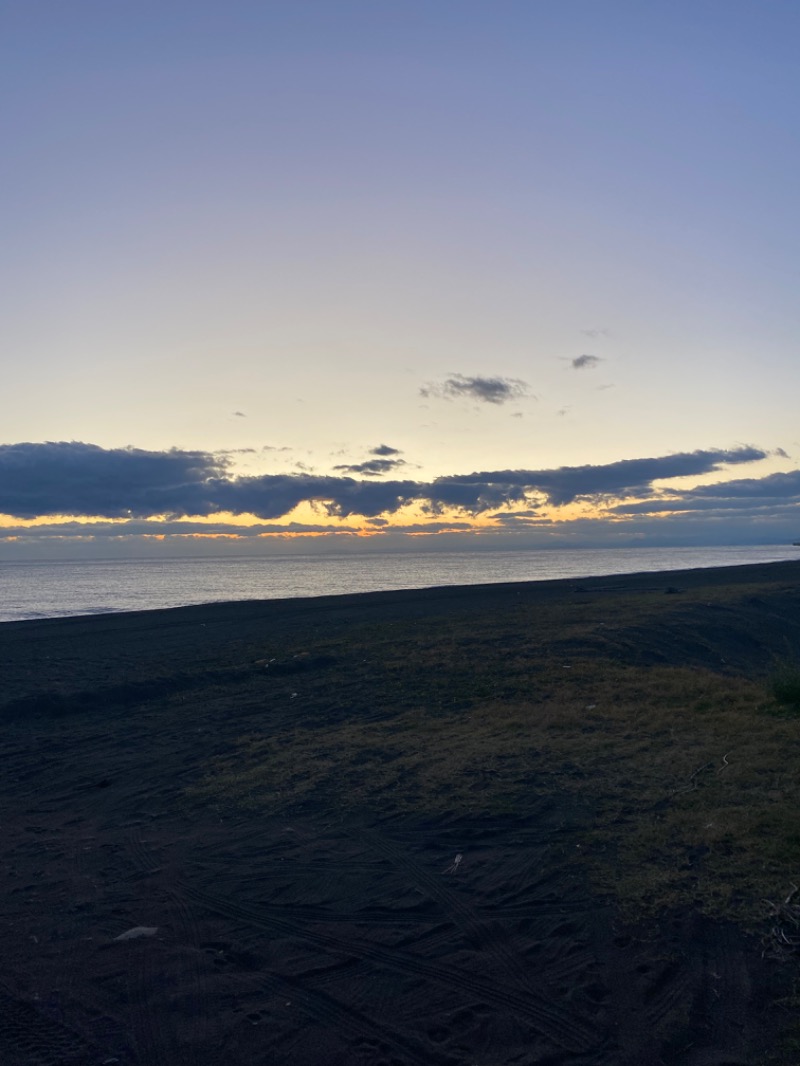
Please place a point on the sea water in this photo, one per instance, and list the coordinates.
(57, 589)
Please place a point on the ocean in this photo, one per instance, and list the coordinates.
(58, 589)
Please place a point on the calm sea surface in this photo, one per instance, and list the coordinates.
(52, 590)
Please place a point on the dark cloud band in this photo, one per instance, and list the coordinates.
(84, 480)
(628, 477)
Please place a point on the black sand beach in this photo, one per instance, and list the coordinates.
(541, 823)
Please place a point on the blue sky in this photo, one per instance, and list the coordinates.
(288, 253)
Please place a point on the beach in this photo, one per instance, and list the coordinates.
(530, 823)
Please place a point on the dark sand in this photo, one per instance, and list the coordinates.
(330, 934)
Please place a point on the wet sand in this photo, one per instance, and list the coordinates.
(311, 932)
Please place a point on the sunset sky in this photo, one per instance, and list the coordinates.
(450, 273)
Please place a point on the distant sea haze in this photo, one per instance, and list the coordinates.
(60, 589)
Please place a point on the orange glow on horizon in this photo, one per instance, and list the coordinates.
(410, 521)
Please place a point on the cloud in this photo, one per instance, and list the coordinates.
(473, 496)
(586, 362)
(683, 505)
(520, 519)
(773, 486)
(168, 528)
(374, 467)
(275, 495)
(595, 332)
(84, 480)
(485, 390)
(371, 467)
(628, 477)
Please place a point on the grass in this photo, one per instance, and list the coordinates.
(688, 776)
(785, 686)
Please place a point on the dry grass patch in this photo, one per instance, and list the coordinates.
(692, 777)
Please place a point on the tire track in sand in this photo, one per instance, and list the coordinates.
(159, 1042)
(317, 1004)
(558, 1026)
(29, 1038)
(477, 931)
(343, 1019)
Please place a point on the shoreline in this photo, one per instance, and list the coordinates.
(139, 587)
(720, 574)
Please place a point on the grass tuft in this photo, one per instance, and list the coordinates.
(785, 686)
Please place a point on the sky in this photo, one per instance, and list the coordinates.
(315, 275)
